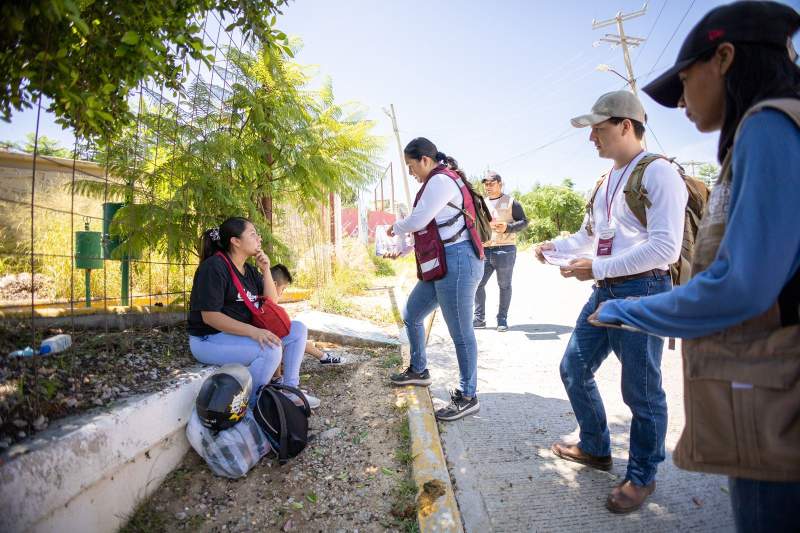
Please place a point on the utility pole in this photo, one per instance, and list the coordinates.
(400, 151)
(622, 40)
(391, 186)
(692, 164)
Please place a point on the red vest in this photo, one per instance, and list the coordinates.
(428, 244)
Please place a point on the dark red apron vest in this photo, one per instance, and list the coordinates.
(428, 244)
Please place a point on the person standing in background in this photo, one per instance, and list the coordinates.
(508, 219)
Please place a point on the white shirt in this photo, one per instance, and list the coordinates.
(636, 248)
(440, 190)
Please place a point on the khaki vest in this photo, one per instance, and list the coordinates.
(741, 385)
(502, 213)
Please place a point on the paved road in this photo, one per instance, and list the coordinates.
(506, 478)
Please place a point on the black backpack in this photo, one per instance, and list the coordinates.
(284, 423)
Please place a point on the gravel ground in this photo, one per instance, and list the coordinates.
(355, 476)
(99, 369)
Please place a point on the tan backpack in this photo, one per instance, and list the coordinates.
(638, 202)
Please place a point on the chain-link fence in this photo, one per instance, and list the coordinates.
(77, 255)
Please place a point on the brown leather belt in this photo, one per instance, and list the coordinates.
(656, 272)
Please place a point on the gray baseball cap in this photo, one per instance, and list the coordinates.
(619, 104)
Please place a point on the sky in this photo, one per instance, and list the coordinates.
(493, 84)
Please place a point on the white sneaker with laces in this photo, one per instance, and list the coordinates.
(330, 359)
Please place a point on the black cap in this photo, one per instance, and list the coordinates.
(767, 23)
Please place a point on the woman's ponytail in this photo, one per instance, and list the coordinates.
(452, 164)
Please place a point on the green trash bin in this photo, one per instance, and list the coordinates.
(88, 256)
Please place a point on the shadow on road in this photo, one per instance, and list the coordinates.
(542, 332)
(504, 454)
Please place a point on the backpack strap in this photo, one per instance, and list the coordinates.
(590, 206)
(297, 392)
(635, 192)
(283, 438)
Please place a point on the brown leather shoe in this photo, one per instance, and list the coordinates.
(571, 452)
(627, 497)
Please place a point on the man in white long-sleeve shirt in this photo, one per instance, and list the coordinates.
(625, 258)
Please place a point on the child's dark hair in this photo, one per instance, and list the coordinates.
(219, 239)
(423, 147)
(280, 274)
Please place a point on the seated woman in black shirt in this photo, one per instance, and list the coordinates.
(220, 331)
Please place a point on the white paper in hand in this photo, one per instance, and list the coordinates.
(385, 245)
(558, 258)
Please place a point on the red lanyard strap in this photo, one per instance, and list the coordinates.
(238, 284)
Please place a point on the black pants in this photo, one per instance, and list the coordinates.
(500, 259)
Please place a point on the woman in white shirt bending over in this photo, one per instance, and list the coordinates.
(449, 257)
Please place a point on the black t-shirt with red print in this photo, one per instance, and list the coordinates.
(213, 290)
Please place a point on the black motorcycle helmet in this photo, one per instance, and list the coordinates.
(223, 397)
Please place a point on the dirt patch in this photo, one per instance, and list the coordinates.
(99, 369)
(17, 287)
(355, 476)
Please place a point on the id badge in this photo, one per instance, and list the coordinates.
(605, 242)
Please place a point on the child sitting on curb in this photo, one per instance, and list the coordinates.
(282, 278)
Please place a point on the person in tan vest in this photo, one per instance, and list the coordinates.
(739, 316)
(508, 219)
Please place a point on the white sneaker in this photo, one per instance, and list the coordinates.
(313, 401)
(330, 359)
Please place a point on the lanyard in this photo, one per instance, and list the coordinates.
(614, 194)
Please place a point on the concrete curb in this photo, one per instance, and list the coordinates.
(437, 509)
(344, 330)
(89, 472)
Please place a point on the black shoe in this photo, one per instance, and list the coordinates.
(458, 407)
(409, 377)
(478, 323)
(502, 325)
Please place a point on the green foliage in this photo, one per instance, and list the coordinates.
(551, 209)
(383, 267)
(87, 56)
(46, 146)
(273, 138)
(708, 174)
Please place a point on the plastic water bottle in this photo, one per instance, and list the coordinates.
(55, 344)
(25, 352)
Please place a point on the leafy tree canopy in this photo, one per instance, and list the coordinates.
(47, 146)
(551, 210)
(272, 138)
(86, 56)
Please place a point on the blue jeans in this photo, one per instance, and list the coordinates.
(640, 356)
(224, 348)
(765, 506)
(454, 293)
(500, 259)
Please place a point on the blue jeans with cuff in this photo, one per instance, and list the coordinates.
(454, 293)
(640, 356)
(500, 259)
(223, 348)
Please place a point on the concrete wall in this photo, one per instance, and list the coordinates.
(88, 473)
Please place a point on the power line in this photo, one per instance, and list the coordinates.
(655, 65)
(650, 129)
(560, 137)
(653, 27)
